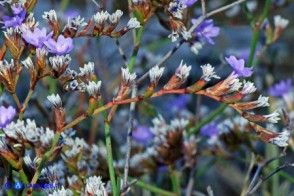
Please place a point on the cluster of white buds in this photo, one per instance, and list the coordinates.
(30, 22)
(87, 70)
(208, 72)
(100, 18)
(60, 63)
(133, 23)
(55, 100)
(95, 186)
(273, 118)
(7, 74)
(50, 16)
(28, 63)
(248, 88)
(62, 192)
(176, 8)
(75, 23)
(93, 88)
(179, 77)
(115, 17)
(155, 74)
(196, 47)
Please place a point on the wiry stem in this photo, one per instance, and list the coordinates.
(129, 137)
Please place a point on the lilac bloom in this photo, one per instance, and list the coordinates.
(142, 134)
(6, 116)
(71, 13)
(210, 130)
(281, 88)
(36, 38)
(206, 30)
(179, 103)
(15, 20)
(188, 2)
(239, 66)
(61, 46)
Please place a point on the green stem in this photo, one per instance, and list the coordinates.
(110, 159)
(25, 104)
(136, 48)
(174, 180)
(23, 177)
(256, 33)
(16, 101)
(208, 119)
(46, 157)
(10, 180)
(154, 189)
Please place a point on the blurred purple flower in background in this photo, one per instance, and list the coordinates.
(61, 46)
(210, 130)
(142, 134)
(239, 66)
(178, 104)
(188, 2)
(71, 13)
(36, 38)
(281, 88)
(6, 116)
(206, 30)
(16, 20)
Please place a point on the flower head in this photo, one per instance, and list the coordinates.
(281, 88)
(210, 129)
(6, 116)
(273, 118)
(133, 23)
(155, 74)
(208, 72)
(95, 186)
(62, 192)
(282, 139)
(206, 30)
(248, 88)
(55, 100)
(16, 20)
(142, 134)
(239, 66)
(36, 37)
(280, 22)
(93, 88)
(61, 46)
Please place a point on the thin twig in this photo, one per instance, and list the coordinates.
(191, 181)
(203, 6)
(125, 189)
(129, 137)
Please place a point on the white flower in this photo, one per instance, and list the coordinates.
(62, 192)
(248, 88)
(208, 72)
(31, 163)
(174, 36)
(75, 23)
(133, 23)
(59, 62)
(73, 180)
(93, 88)
(4, 65)
(176, 8)
(261, 101)
(183, 71)
(178, 124)
(41, 52)
(155, 74)
(3, 146)
(88, 69)
(282, 139)
(101, 17)
(115, 17)
(55, 100)
(196, 47)
(30, 21)
(127, 77)
(280, 22)
(95, 186)
(50, 16)
(273, 118)
(235, 85)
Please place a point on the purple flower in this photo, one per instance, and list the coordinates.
(188, 2)
(206, 30)
(209, 130)
(281, 88)
(61, 46)
(16, 20)
(179, 103)
(71, 13)
(239, 66)
(142, 134)
(36, 38)
(6, 116)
